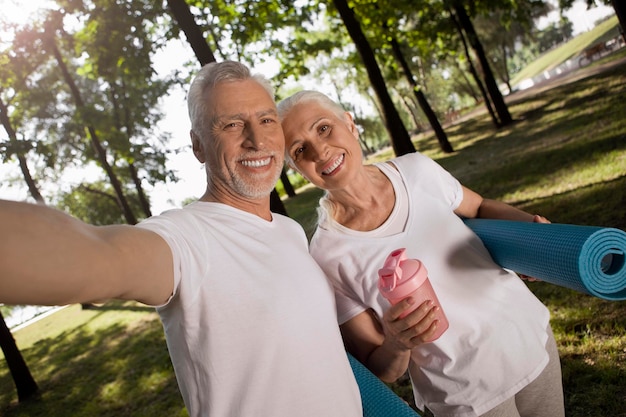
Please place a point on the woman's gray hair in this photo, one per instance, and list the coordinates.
(285, 106)
(207, 78)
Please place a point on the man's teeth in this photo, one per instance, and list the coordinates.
(256, 163)
(334, 166)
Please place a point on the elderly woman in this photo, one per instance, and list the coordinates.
(498, 357)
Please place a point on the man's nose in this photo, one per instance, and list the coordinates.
(254, 138)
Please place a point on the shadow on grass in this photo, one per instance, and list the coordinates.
(561, 132)
(583, 325)
(118, 370)
(595, 204)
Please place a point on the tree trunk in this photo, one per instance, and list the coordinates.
(400, 138)
(410, 106)
(472, 69)
(284, 178)
(95, 141)
(620, 11)
(506, 77)
(490, 81)
(195, 37)
(30, 182)
(444, 143)
(276, 204)
(186, 21)
(143, 198)
(470, 87)
(24, 382)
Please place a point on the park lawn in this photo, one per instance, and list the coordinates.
(108, 361)
(564, 157)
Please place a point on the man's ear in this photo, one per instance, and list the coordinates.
(196, 145)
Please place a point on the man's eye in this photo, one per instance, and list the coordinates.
(324, 128)
(266, 121)
(230, 126)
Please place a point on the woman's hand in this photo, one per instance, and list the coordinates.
(536, 219)
(405, 332)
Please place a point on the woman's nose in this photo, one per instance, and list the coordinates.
(320, 150)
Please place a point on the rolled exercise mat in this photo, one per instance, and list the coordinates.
(377, 398)
(584, 258)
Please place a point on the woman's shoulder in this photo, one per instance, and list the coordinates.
(412, 164)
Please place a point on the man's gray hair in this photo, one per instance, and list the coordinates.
(207, 78)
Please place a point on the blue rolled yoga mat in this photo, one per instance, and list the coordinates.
(377, 398)
(584, 258)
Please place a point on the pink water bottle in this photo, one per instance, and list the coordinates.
(401, 277)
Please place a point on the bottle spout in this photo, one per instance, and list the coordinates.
(391, 273)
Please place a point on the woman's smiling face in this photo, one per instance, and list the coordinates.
(321, 145)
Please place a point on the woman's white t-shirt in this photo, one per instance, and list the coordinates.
(495, 344)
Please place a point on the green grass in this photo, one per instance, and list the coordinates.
(564, 157)
(110, 361)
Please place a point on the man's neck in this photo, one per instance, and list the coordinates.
(258, 207)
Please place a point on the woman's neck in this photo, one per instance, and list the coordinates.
(366, 204)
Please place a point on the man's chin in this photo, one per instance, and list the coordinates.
(258, 187)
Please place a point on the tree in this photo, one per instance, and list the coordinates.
(120, 61)
(24, 381)
(384, 27)
(17, 149)
(492, 87)
(93, 135)
(474, 72)
(186, 21)
(620, 11)
(421, 99)
(554, 34)
(400, 139)
(105, 63)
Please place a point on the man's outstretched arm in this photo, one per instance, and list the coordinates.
(50, 258)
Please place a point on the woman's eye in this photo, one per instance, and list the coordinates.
(298, 151)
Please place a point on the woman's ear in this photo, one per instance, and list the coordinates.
(196, 145)
(290, 164)
(351, 125)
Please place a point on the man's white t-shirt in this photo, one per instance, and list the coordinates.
(495, 344)
(251, 327)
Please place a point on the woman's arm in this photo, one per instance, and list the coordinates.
(48, 257)
(385, 347)
(475, 206)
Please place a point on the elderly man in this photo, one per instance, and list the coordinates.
(248, 315)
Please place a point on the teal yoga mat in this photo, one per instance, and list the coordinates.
(377, 398)
(584, 258)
